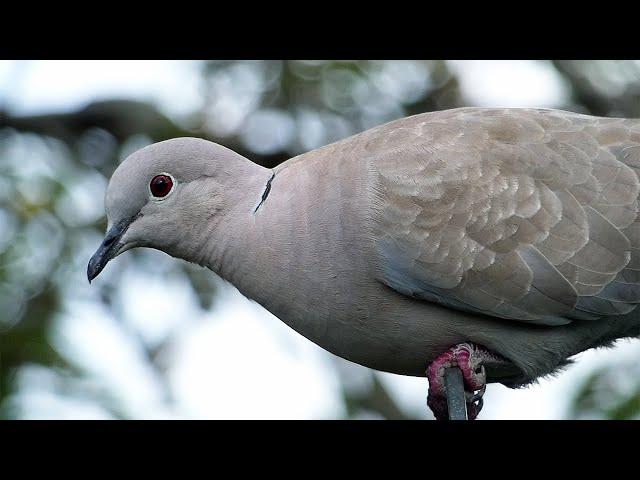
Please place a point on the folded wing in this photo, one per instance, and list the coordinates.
(522, 214)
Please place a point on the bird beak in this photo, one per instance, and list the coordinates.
(109, 249)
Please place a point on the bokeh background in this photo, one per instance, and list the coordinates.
(155, 337)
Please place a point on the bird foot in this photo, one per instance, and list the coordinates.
(469, 359)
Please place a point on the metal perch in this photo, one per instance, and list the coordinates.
(456, 402)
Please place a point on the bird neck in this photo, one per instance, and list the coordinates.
(293, 247)
(228, 241)
(284, 235)
(251, 245)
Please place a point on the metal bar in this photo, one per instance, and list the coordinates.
(454, 386)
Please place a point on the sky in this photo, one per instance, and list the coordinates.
(252, 364)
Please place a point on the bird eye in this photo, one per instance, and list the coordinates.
(161, 185)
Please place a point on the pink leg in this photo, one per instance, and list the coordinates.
(469, 358)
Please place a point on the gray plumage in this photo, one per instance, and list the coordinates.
(515, 229)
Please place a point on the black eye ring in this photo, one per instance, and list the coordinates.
(161, 185)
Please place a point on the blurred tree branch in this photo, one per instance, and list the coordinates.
(122, 119)
(584, 91)
(376, 399)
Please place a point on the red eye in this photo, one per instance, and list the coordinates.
(161, 185)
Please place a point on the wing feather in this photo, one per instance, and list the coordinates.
(522, 214)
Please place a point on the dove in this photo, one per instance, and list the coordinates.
(499, 241)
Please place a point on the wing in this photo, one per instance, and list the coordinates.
(522, 214)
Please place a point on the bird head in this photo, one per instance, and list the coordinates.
(163, 193)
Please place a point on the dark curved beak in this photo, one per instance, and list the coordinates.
(109, 249)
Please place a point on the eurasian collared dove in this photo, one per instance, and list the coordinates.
(502, 241)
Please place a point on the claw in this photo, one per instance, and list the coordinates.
(477, 397)
(468, 358)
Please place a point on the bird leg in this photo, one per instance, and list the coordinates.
(469, 358)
